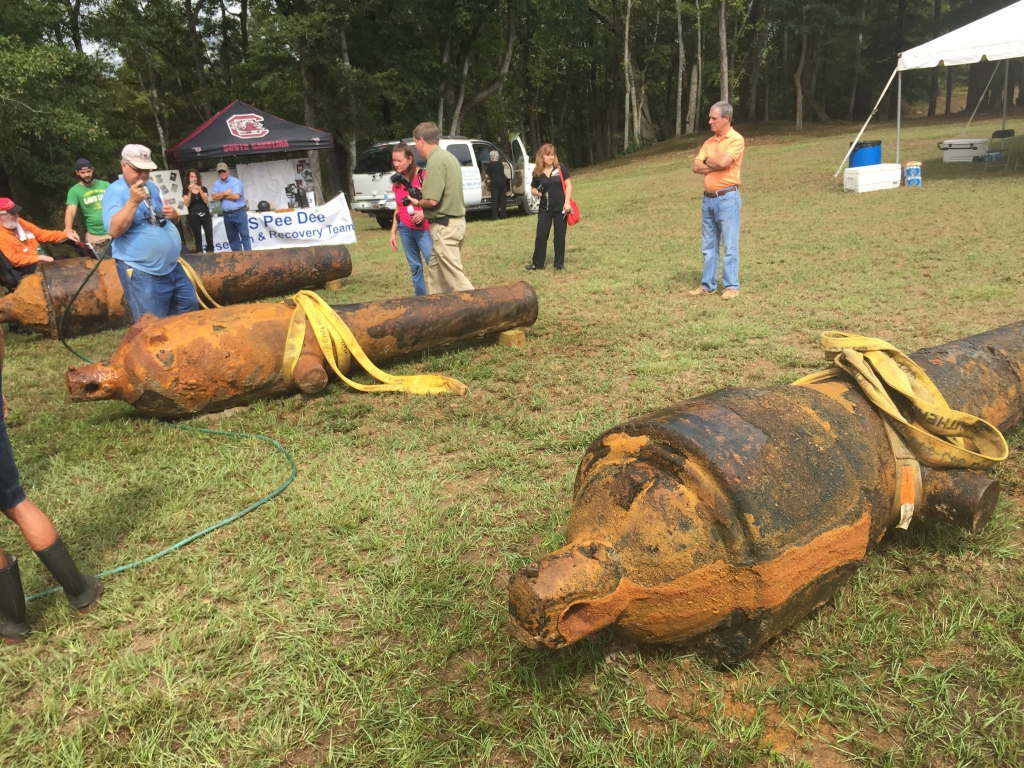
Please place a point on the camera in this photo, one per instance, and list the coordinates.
(399, 178)
(156, 217)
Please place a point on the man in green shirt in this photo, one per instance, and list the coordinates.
(87, 194)
(445, 209)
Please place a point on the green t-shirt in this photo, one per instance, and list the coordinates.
(444, 184)
(90, 202)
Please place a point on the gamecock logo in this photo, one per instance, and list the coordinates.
(247, 126)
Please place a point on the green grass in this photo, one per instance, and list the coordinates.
(359, 619)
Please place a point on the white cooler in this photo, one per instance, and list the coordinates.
(868, 178)
(962, 150)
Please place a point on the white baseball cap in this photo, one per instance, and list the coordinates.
(138, 156)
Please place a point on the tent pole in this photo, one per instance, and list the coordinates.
(899, 111)
(864, 127)
(992, 77)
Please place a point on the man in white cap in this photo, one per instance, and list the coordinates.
(145, 248)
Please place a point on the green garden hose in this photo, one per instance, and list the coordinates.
(209, 529)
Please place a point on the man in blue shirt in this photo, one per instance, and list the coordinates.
(145, 247)
(231, 193)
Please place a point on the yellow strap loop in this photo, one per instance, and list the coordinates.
(936, 434)
(338, 343)
(197, 283)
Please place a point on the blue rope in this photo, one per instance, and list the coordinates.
(209, 529)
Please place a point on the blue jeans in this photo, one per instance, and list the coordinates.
(720, 222)
(236, 227)
(170, 294)
(417, 246)
(11, 494)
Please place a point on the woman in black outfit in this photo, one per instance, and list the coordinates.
(548, 174)
(197, 200)
(498, 182)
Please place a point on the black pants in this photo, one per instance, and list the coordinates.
(540, 246)
(202, 224)
(498, 202)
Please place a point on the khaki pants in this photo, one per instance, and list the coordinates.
(100, 243)
(444, 272)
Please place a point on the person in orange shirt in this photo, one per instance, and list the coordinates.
(20, 239)
(719, 163)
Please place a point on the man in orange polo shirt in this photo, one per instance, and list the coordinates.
(20, 239)
(719, 162)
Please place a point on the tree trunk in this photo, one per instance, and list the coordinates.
(933, 91)
(443, 85)
(723, 53)
(243, 22)
(196, 45)
(797, 80)
(153, 99)
(979, 76)
(628, 75)
(755, 74)
(495, 85)
(346, 63)
(949, 89)
(856, 61)
(457, 112)
(75, 22)
(901, 14)
(682, 67)
(691, 113)
(700, 66)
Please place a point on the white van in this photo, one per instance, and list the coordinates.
(373, 170)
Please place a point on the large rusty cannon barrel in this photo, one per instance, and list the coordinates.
(230, 277)
(219, 358)
(720, 521)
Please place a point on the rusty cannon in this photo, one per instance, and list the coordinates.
(215, 359)
(230, 277)
(719, 522)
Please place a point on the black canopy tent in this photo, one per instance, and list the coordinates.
(242, 129)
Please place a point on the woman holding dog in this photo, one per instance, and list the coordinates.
(551, 183)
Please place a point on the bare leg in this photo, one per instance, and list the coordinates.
(34, 524)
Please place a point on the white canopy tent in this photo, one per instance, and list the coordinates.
(996, 37)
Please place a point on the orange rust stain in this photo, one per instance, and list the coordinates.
(26, 305)
(837, 391)
(699, 601)
(810, 412)
(622, 448)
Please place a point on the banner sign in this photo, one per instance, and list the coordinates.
(170, 187)
(328, 224)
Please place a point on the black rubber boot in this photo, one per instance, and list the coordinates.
(13, 627)
(81, 589)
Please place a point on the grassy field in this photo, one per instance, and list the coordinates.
(359, 619)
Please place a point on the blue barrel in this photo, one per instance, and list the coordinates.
(866, 153)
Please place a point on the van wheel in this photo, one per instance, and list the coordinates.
(385, 221)
(530, 205)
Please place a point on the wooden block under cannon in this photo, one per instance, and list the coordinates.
(720, 521)
(231, 277)
(216, 359)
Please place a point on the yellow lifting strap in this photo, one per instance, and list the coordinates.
(936, 435)
(338, 343)
(197, 283)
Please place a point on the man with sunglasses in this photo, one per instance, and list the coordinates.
(231, 193)
(145, 246)
(719, 163)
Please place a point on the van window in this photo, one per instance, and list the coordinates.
(375, 160)
(483, 153)
(461, 152)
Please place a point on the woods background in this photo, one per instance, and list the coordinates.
(599, 79)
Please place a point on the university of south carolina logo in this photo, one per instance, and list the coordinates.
(247, 126)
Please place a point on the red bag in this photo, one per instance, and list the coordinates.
(573, 217)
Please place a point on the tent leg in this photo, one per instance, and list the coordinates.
(865, 126)
(899, 111)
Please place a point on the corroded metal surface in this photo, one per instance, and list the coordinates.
(230, 277)
(720, 521)
(215, 359)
